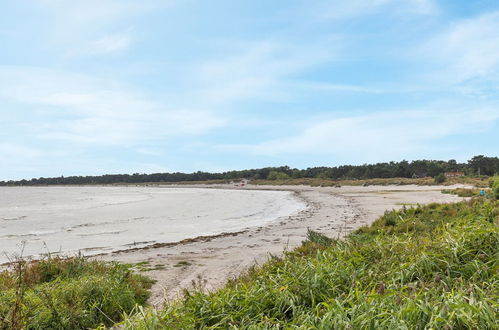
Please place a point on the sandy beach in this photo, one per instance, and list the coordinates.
(208, 262)
(68, 220)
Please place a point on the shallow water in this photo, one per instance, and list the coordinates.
(92, 220)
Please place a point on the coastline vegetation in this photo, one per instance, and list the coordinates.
(476, 167)
(68, 293)
(427, 181)
(463, 192)
(493, 192)
(433, 266)
(494, 186)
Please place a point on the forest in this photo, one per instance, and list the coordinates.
(478, 165)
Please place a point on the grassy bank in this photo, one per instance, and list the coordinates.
(72, 293)
(434, 266)
(493, 192)
(316, 182)
(463, 192)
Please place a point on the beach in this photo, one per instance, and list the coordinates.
(186, 236)
(90, 220)
(209, 262)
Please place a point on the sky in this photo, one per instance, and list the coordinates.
(123, 86)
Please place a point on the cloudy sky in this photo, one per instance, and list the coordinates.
(124, 86)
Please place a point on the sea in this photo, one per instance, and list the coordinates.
(89, 220)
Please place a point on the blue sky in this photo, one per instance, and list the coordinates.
(121, 86)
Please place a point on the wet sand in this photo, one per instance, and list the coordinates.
(208, 262)
(91, 220)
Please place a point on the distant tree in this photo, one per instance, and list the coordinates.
(452, 166)
(484, 165)
(419, 168)
(296, 174)
(275, 175)
(402, 170)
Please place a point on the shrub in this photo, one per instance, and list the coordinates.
(462, 192)
(494, 185)
(440, 178)
(72, 293)
(275, 175)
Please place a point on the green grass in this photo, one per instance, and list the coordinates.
(427, 267)
(407, 204)
(424, 267)
(494, 186)
(182, 263)
(71, 293)
(428, 181)
(462, 192)
(145, 266)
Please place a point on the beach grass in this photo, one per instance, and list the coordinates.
(481, 182)
(463, 192)
(425, 267)
(68, 293)
(428, 181)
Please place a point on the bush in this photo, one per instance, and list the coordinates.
(462, 192)
(275, 175)
(440, 178)
(72, 293)
(494, 185)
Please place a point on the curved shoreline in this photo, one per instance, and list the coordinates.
(95, 220)
(209, 237)
(208, 262)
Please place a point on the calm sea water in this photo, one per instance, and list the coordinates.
(91, 220)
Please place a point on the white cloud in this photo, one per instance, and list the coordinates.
(467, 50)
(149, 151)
(378, 135)
(425, 7)
(16, 158)
(90, 27)
(327, 87)
(259, 70)
(94, 111)
(17, 151)
(337, 10)
(77, 15)
(102, 46)
(111, 43)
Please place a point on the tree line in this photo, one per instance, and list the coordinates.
(478, 165)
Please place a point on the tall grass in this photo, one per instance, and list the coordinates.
(427, 267)
(463, 192)
(494, 185)
(316, 182)
(72, 293)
